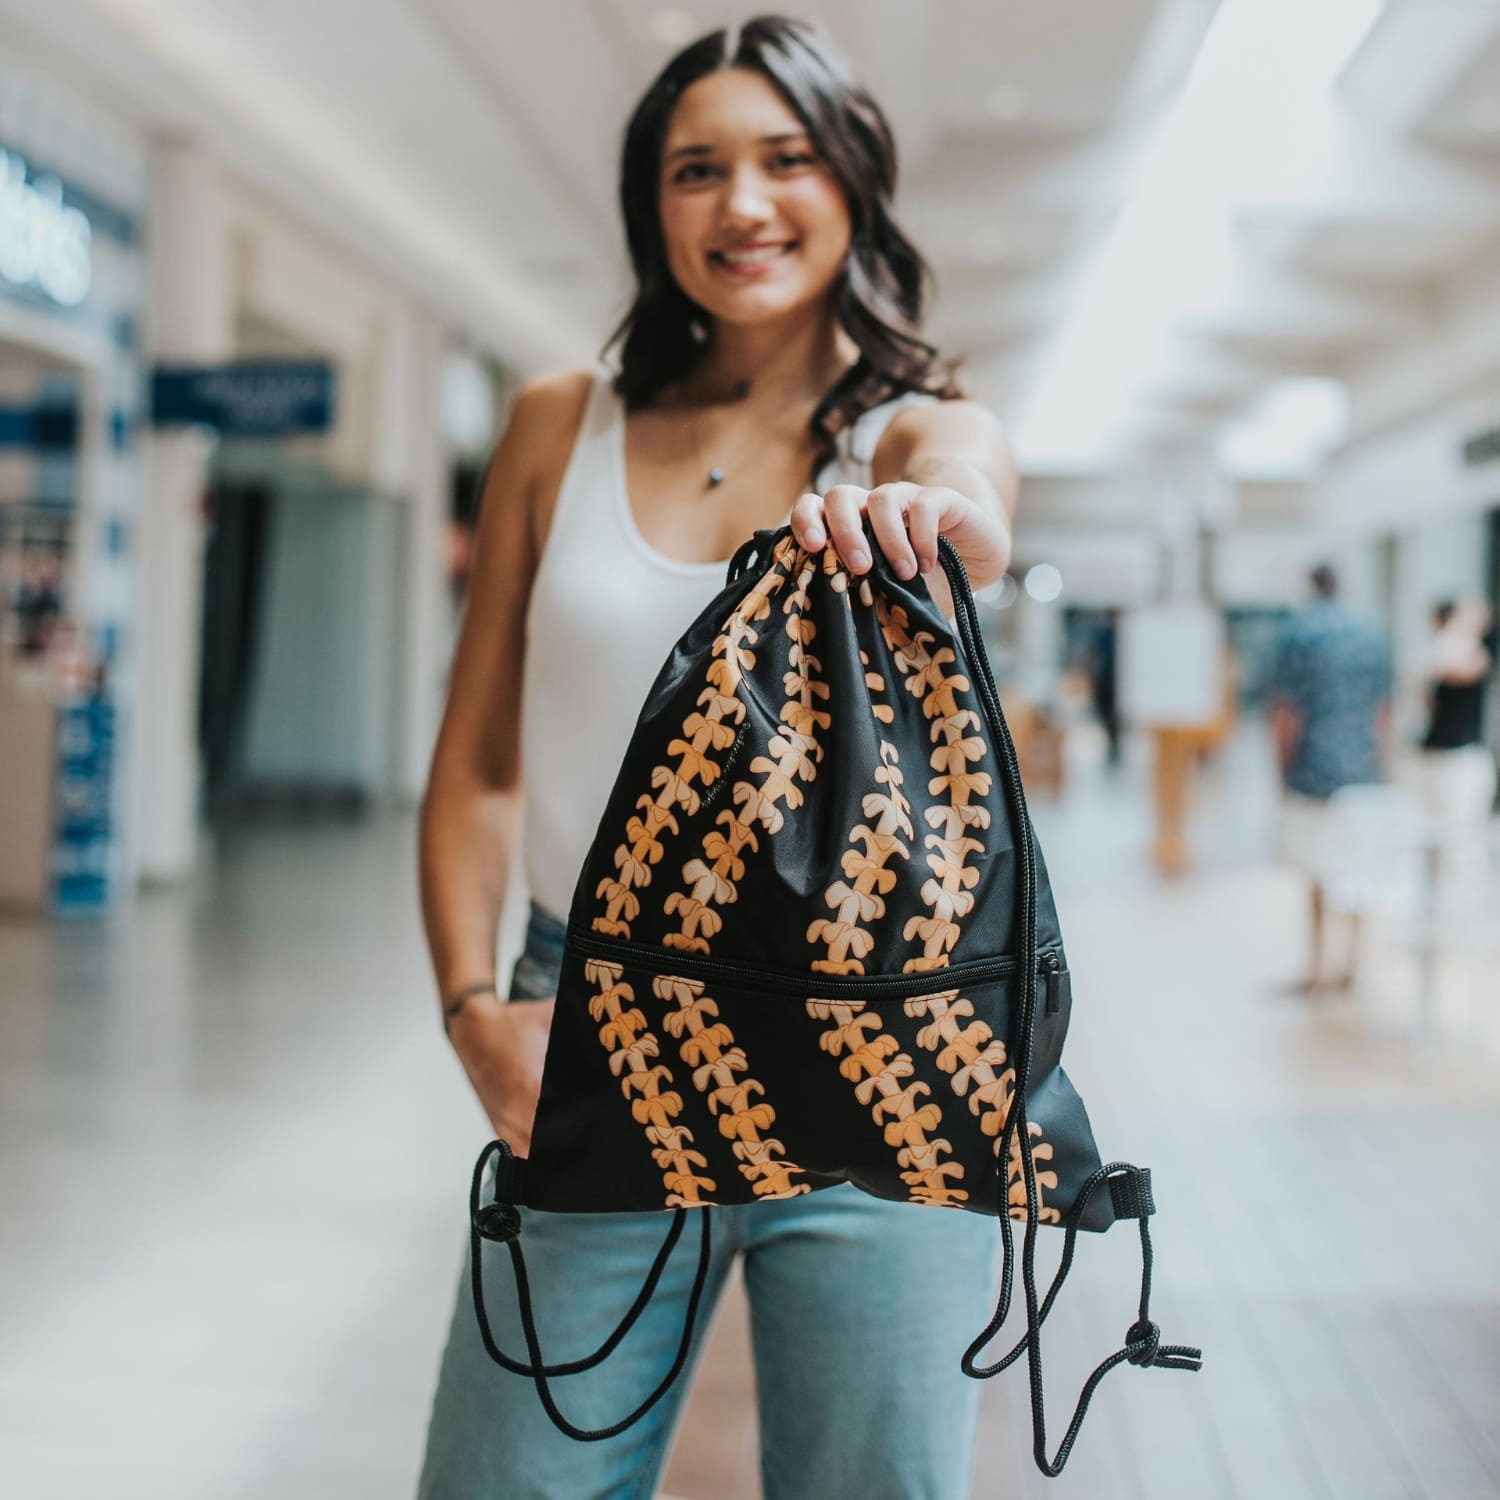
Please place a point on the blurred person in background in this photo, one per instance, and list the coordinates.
(773, 351)
(1105, 677)
(38, 602)
(1458, 767)
(1330, 715)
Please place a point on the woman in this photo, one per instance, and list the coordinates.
(1458, 767)
(772, 351)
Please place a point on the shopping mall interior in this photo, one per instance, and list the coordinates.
(275, 281)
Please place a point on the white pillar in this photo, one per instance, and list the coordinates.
(1182, 557)
(425, 639)
(190, 318)
(1039, 646)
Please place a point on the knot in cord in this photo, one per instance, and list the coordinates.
(1142, 1340)
(1144, 1347)
(499, 1222)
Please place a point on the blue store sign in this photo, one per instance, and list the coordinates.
(46, 240)
(84, 852)
(257, 399)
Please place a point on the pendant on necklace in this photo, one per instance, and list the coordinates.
(716, 476)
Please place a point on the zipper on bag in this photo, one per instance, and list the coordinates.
(804, 982)
(1059, 982)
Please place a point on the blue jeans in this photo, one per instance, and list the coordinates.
(859, 1308)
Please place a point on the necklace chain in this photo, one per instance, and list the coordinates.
(716, 473)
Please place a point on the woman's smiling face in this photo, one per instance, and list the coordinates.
(755, 224)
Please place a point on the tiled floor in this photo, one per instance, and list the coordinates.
(234, 1154)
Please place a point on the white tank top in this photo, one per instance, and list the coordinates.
(606, 608)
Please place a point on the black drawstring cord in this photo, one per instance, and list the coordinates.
(500, 1222)
(1132, 1199)
(1130, 1186)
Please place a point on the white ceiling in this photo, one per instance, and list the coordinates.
(468, 148)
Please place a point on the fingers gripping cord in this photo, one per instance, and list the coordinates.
(500, 1223)
(1130, 1186)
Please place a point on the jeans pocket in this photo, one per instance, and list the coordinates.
(534, 977)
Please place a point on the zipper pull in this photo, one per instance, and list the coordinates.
(1059, 983)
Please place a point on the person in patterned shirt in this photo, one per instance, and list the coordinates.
(1331, 697)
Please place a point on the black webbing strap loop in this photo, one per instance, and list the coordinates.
(1130, 1193)
(1142, 1341)
(510, 1182)
(500, 1222)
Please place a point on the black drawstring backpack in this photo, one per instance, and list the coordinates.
(814, 942)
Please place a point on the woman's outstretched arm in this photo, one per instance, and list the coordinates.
(942, 468)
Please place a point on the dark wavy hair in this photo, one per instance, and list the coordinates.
(881, 288)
